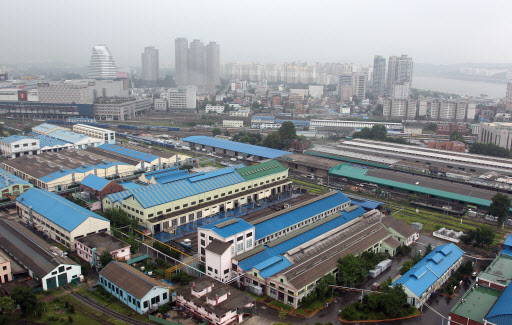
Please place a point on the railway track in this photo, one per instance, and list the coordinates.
(91, 303)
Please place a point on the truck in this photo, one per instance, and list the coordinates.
(233, 159)
(381, 267)
(185, 148)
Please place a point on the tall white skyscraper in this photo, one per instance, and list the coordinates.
(399, 70)
(379, 75)
(102, 65)
(197, 64)
(150, 65)
(181, 61)
(212, 66)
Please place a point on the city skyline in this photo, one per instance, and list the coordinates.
(471, 40)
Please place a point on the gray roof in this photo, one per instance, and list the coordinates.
(129, 279)
(399, 226)
(236, 298)
(50, 162)
(218, 247)
(29, 249)
(392, 242)
(102, 242)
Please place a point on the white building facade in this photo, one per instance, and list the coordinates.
(107, 136)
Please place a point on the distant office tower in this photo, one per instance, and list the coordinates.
(150, 65)
(359, 84)
(102, 64)
(197, 64)
(181, 61)
(399, 70)
(508, 95)
(4, 73)
(379, 75)
(212, 66)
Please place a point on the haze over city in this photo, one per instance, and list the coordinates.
(438, 32)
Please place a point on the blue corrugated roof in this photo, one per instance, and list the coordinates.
(57, 209)
(68, 136)
(229, 230)
(427, 271)
(128, 152)
(285, 220)
(272, 266)
(169, 175)
(95, 182)
(501, 312)
(368, 204)
(81, 169)
(236, 146)
(153, 195)
(46, 141)
(14, 138)
(8, 179)
(45, 127)
(507, 246)
(295, 122)
(130, 185)
(283, 247)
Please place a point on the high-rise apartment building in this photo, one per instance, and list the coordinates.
(379, 75)
(401, 90)
(197, 64)
(399, 70)
(150, 65)
(102, 65)
(181, 61)
(353, 83)
(212, 66)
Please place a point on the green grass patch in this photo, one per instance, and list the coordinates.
(281, 305)
(113, 304)
(312, 306)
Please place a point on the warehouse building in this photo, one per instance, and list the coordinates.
(430, 273)
(184, 198)
(146, 161)
(18, 145)
(232, 148)
(107, 136)
(56, 171)
(12, 185)
(95, 188)
(60, 219)
(284, 254)
(453, 160)
(454, 193)
(133, 288)
(78, 141)
(391, 127)
(46, 264)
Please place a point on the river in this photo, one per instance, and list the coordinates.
(460, 87)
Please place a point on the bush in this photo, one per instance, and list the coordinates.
(56, 299)
(70, 319)
(164, 308)
(72, 309)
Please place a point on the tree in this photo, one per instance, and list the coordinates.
(485, 236)
(119, 218)
(489, 149)
(105, 258)
(25, 298)
(227, 133)
(457, 136)
(273, 140)
(7, 306)
(282, 314)
(428, 249)
(216, 131)
(379, 132)
(352, 270)
(287, 132)
(500, 207)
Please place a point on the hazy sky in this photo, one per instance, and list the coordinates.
(445, 31)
